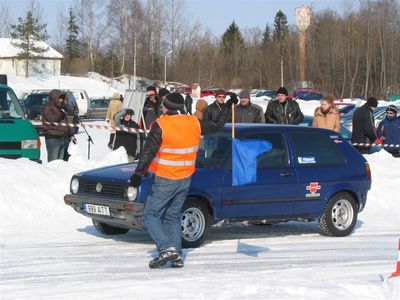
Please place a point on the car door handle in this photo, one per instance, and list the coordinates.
(286, 174)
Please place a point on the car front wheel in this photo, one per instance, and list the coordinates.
(339, 216)
(108, 229)
(195, 223)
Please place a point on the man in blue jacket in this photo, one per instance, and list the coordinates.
(389, 131)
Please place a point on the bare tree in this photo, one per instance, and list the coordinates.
(5, 19)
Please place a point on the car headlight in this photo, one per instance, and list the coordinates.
(30, 144)
(75, 185)
(131, 193)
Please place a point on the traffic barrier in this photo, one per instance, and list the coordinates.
(107, 127)
(397, 272)
(133, 130)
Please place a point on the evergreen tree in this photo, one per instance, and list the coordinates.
(26, 36)
(231, 38)
(73, 45)
(231, 47)
(281, 32)
(267, 35)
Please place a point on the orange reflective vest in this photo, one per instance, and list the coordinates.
(176, 157)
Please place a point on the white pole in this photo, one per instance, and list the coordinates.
(134, 64)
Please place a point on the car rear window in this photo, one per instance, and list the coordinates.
(315, 149)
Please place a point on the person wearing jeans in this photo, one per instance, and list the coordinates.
(170, 153)
(57, 131)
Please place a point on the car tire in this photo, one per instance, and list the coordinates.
(339, 216)
(108, 229)
(195, 222)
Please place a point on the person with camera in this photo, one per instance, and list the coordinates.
(57, 129)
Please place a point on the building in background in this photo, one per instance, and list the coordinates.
(10, 64)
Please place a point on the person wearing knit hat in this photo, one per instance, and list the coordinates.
(245, 112)
(129, 140)
(364, 126)
(283, 110)
(212, 110)
(170, 154)
(388, 130)
(282, 90)
(152, 106)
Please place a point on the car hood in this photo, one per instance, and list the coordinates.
(117, 173)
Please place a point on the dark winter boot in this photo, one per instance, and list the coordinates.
(178, 263)
(163, 257)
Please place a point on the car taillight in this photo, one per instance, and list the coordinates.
(368, 170)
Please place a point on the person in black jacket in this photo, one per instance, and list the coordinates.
(283, 110)
(212, 111)
(364, 125)
(188, 104)
(152, 107)
(245, 112)
(172, 166)
(127, 139)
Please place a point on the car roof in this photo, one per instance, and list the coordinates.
(252, 127)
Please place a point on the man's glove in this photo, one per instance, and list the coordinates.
(136, 180)
(233, 100)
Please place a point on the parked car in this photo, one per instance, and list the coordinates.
(206, 93)
(98, 108)
(18, 138)
(379, 114)
(37, 99)
(344, 132)
(344, 109)
(185, 89)
(310, 174)
(307, 94)
(266, 94)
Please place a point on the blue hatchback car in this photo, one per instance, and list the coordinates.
(309, 174)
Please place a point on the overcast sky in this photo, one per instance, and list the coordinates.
(215, 15)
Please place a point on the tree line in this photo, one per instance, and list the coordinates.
(354, 54)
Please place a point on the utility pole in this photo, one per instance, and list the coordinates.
(303, 21)
(165, 66)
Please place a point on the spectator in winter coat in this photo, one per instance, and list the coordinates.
(152, 107)
(113, 107)
(201, 105)
(364, 125)
(188, 104)
(327, 115)
(245, 112)
(389, 130)
(56, 136)
(127, 139)
(212, 111)
(283, 110)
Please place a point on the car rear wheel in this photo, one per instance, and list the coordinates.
(108, 229)
(339, 216)
(195, 223)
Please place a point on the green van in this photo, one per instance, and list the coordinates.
(18, 137)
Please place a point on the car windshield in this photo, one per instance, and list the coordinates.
(9, 105)
(214, 150)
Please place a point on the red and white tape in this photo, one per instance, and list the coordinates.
(107, 127)
(133, 130)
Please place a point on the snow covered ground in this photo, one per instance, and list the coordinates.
(48, 251)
